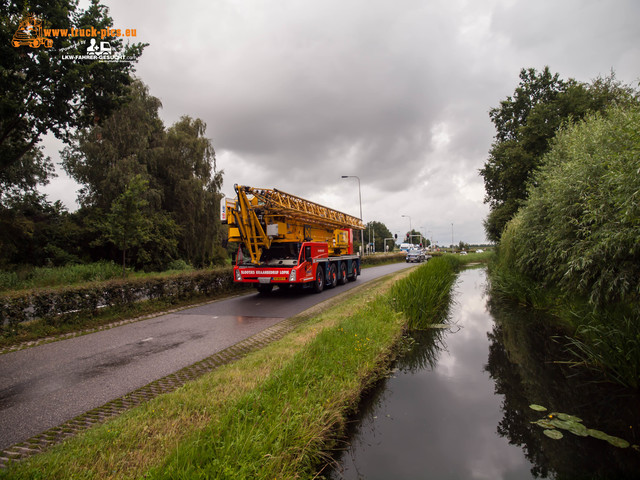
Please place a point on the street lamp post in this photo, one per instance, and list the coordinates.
(453, 248)
(410, 229)
(360, 198)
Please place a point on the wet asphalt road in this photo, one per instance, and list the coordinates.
(44, 386)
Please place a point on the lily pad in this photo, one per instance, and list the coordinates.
(574, 427)
(617, 442)
(544, 423)
(568, 418)
(555, 434)
(577, 429)
(556, 422)
(597, 434)
(537, 408)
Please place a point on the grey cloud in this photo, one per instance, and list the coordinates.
(296, 94)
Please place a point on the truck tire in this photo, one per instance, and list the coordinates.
(342, 277)
(354, 272)
(318, 285)
(333, 276)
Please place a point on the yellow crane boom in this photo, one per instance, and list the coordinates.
(266, 215)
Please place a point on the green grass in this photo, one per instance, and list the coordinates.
(424, 296)
(40, 277)
(47, 277)
(283, 428)
(607, 340)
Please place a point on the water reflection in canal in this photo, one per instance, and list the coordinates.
(457, 406)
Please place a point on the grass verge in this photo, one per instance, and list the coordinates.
(378, 259)
(50, 277)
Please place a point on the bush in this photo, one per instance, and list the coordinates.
(379, 259)
(179, 265)
(580, 226)
(574, 248)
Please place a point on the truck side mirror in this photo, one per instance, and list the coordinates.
(307, 253)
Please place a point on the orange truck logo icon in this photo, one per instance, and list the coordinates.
(30, 33)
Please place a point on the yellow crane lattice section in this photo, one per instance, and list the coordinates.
(275, 202)
(274, 205)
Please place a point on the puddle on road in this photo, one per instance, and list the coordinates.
(457, 408)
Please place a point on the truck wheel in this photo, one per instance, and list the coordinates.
(318, 285)
(354, 272)
(342, 278)
(333, 276)
(264, 288)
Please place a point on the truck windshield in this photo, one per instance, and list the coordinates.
(281, 251)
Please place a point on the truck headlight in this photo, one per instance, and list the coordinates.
(238, 276)
(292, 276)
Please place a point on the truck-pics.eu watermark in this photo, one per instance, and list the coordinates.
(32, 32)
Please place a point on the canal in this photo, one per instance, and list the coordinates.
(457, 405)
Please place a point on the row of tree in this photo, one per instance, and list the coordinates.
(525, 125)
(148, 192)
(379, 235)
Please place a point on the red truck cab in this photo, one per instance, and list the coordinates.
(311, 267)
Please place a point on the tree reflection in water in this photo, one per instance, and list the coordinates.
(524, 356)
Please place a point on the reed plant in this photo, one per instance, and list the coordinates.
(609, 342)
(424, 296)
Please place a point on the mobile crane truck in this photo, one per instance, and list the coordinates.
(289, 240)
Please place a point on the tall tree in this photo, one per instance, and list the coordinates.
(415, 237)
(186, 172)
(376, 232)
(42, 92)
(127, 225)
(104, 158)
(178, 164)
(525, 125)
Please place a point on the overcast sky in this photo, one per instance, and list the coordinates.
(296, 94)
